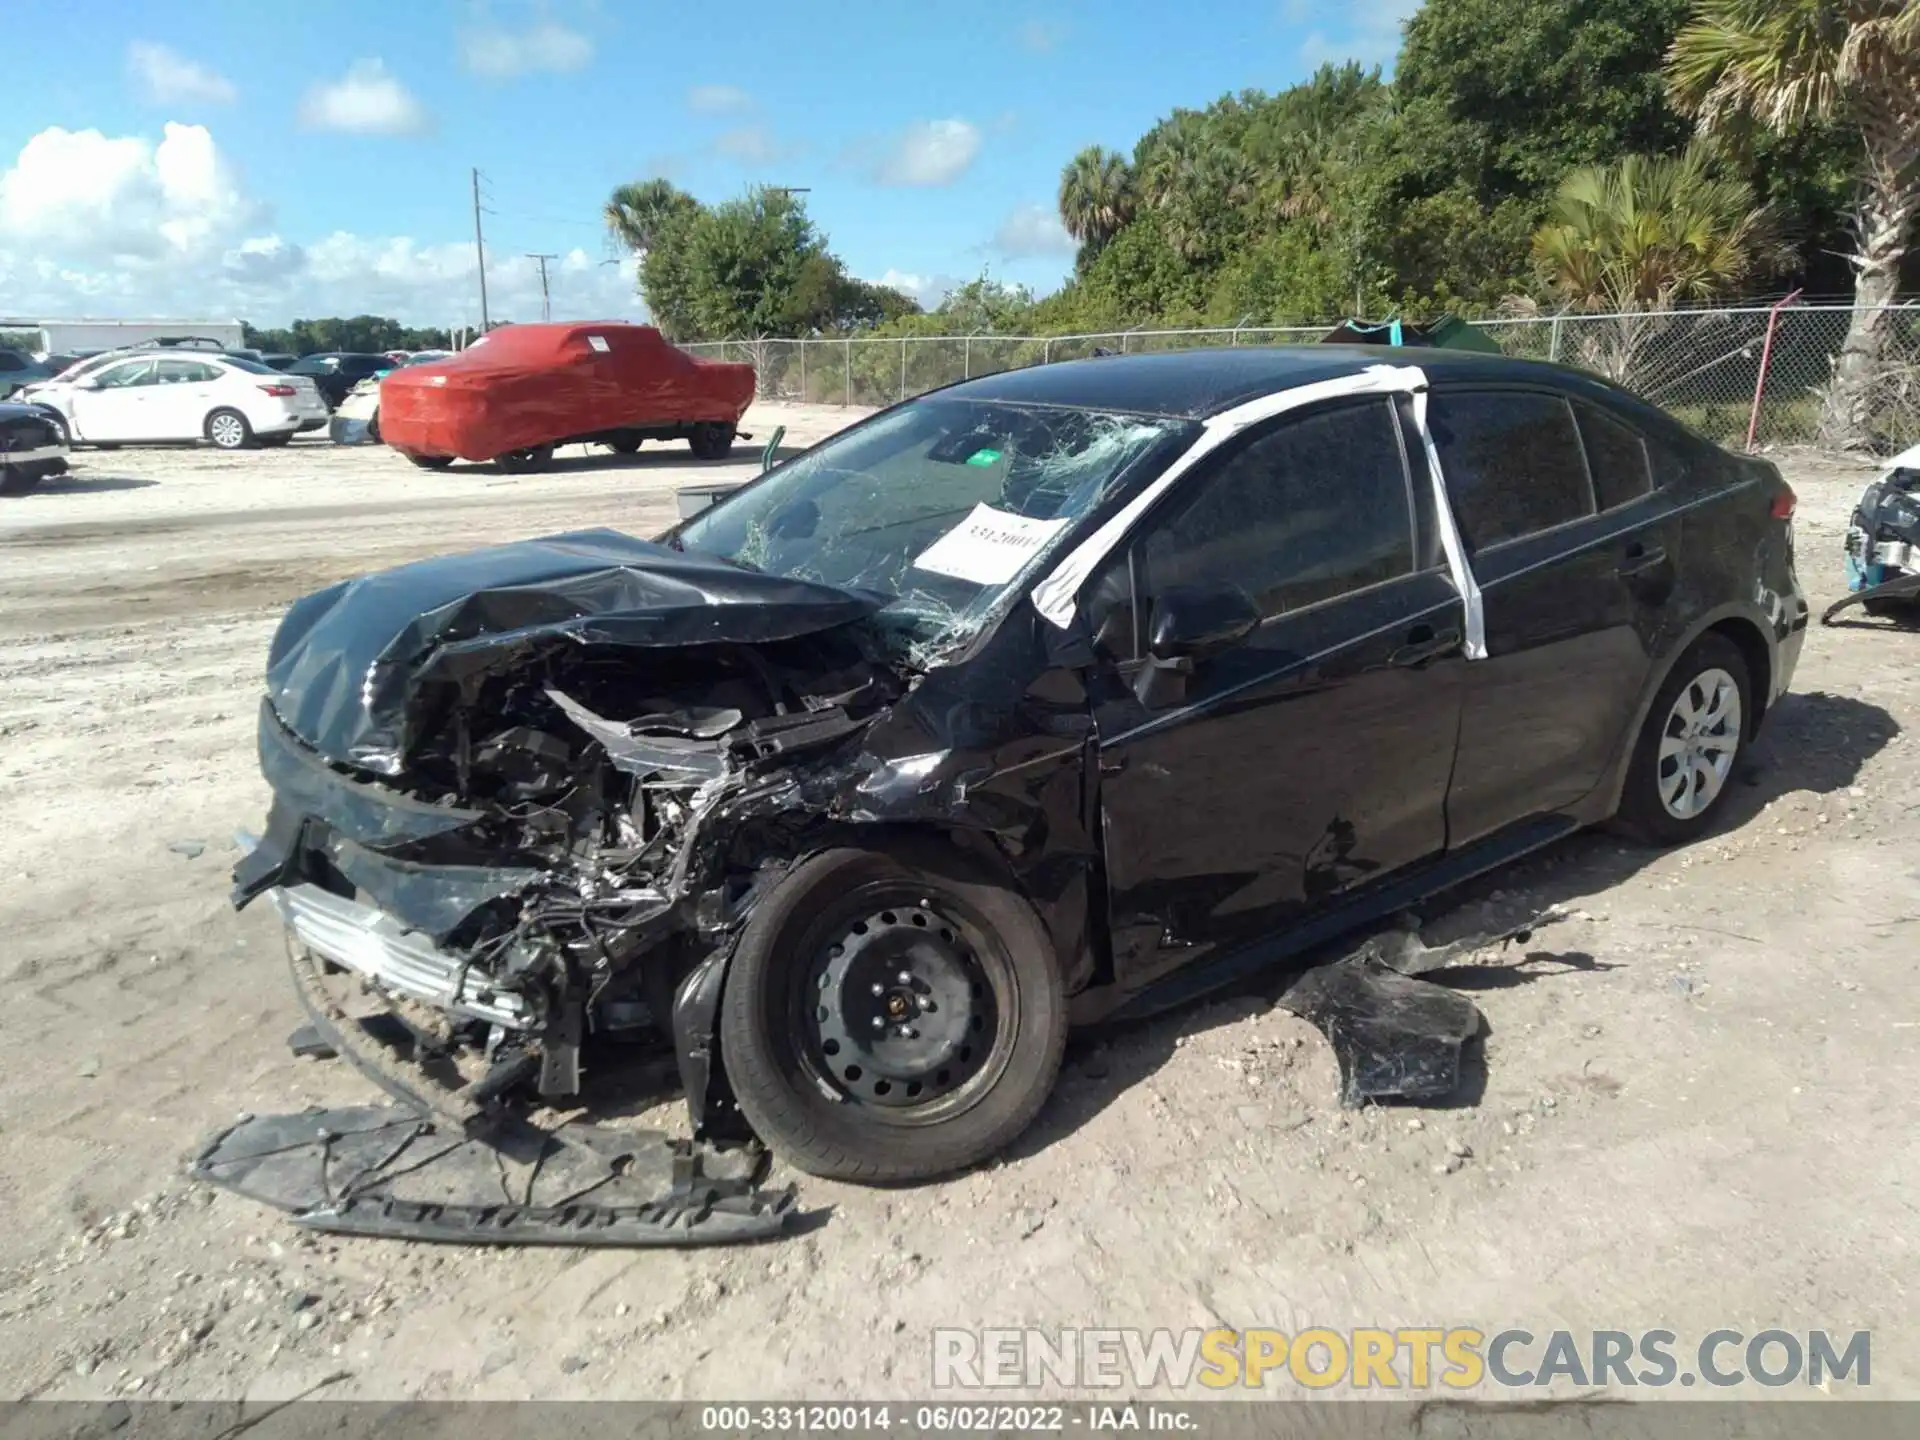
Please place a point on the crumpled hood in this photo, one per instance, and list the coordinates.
(358, 668)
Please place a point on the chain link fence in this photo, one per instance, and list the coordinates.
(1703, 366)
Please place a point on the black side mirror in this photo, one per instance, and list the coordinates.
(1194, 621)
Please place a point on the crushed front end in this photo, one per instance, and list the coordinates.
(511, 792)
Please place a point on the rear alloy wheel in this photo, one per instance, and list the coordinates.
(711, 440)
(527, 461)
(431, 462)
(1683, 763)
(229, 430)
(892, 1016)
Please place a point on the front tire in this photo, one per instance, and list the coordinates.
(229, 430)
(19, 479)
(625, 445)
(431, 462)
(892, 1016)
(1682, 766)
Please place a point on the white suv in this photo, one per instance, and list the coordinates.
(170, 395)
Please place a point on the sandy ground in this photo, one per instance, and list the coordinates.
(1698, 1108)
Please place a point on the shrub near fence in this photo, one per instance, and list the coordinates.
(1701, 365)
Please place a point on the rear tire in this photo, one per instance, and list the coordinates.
(431, 462)
(625, 445)
(525, 462)
(19, 479)
(229, 430)
(1682, 766)
(711, 440)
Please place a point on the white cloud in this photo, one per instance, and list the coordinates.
(82, 193)
(929, 290)
(500, 54)
(110, 226)
(929, 152)
(364, 101)
(169, 78)
(1040, 36)
(751, 145)
(718, 100)
(1370, 34)
(1032, 230)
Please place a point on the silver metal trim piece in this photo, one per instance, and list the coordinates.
(376, 947)
(29, 457)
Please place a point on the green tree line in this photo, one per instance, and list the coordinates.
(1540, 155)
(362, 334)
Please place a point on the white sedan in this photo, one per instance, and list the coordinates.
(226, 399)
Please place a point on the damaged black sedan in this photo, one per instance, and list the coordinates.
(1052, 697)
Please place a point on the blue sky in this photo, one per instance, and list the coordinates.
(228, 157)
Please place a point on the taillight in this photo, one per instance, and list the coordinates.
(280, 390)
(1783, 502)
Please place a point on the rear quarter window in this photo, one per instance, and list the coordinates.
(1617, 456)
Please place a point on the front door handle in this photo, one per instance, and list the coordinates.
(1423, 643)
(1641, 557)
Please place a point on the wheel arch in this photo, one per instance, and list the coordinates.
(698, 994)
(1745, 628)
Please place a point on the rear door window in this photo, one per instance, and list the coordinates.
(1616, 456)
(1315, 507)
(1512, 462)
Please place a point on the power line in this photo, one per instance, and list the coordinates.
(546, 303)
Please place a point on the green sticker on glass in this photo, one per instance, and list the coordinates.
(983, 457)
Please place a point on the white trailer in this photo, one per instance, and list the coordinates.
(68, 336)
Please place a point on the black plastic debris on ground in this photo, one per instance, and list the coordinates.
(1393, 1036)
(387, 1171)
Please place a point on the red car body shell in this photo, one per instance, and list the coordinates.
(529, 385)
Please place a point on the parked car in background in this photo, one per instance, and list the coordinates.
(171, 396)
(18, 370)
(1067, 693)
(278, 360)
(31, 448)
(61, 360)
(337, 372)
(517, 393)
(356, 419)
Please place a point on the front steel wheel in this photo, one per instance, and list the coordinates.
(1686, 751)
(892, 1016)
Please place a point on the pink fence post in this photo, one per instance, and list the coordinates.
(1766, 358)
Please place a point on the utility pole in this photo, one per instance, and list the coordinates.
(546, 305)
(480, 250)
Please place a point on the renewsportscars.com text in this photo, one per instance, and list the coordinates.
(1448, 1358)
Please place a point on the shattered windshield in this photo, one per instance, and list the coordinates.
(942, 505)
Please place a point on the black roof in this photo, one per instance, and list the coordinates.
(1203, 382)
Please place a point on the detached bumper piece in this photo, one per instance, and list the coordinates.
(394, 1173)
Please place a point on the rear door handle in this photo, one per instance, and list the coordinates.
(1641, 557)
(1424, 643)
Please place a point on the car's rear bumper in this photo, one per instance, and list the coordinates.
(38, 455)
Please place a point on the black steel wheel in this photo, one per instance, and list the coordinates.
(892, 1016)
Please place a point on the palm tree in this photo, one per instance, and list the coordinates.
(1638, 237)
(635, 212)
(1096, 195)
(1789, 63)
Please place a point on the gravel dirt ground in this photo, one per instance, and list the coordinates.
(1695, 1107)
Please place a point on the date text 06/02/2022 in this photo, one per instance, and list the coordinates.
(963, 1419)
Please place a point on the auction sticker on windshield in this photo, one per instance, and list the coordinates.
(988, 547)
